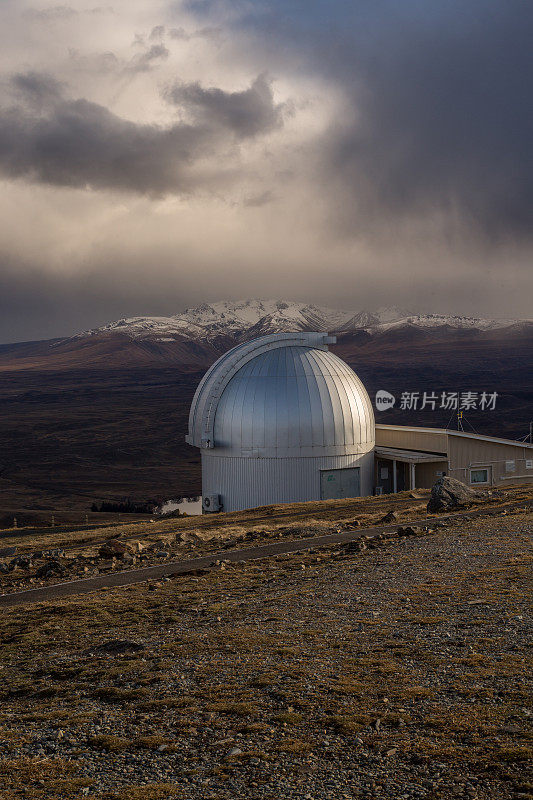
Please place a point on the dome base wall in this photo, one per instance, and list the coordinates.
(250, 482)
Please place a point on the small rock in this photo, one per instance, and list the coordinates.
(22, 562)
(107, 565)
(235, 751)
(113, 548)
(409, 530)
(390, 516)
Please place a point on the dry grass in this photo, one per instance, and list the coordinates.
(281, 655)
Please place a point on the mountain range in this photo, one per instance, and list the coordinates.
(247, 319)
(193, 339)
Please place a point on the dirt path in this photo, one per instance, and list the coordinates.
(133, 576)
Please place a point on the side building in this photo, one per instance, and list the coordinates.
(409, 457)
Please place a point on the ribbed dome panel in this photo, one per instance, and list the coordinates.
(292, 401)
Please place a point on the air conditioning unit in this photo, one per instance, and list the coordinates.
(378, 489)
(211, 503)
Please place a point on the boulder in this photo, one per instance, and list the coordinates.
(390, 516)
(449, 494)
(113, 548)
(49, 569)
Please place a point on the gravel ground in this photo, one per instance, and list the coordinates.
(395, 672)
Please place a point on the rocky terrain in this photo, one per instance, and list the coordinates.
(394, 670)
(33, 557)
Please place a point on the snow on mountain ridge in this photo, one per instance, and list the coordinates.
(250, 318)
(229, 318)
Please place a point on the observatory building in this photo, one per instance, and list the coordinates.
(280, 419)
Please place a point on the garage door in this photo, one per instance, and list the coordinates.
(336, 483)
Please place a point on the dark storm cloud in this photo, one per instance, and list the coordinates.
(439, 108)
(35, 304)
(247, 113)
(444, 119)
(51, 139)
(37, 89)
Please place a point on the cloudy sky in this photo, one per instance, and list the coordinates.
(354, 153)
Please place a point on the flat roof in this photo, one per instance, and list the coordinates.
(412, 456)
(451, 432)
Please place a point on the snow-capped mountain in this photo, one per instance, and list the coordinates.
(227, 318)
(436, 321)
(247, 319)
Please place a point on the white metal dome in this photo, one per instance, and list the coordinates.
(281, 399)
(291, 398)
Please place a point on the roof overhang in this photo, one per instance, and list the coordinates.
(408, 456)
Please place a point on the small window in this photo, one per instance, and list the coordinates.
(384, 473)
(529, 463)
(510, 466)
(479, 476)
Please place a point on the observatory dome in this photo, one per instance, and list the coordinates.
(273, 413)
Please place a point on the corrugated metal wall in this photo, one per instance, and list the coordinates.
(250, 482)
(426, 474)
(428, 441)
(466, 454)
